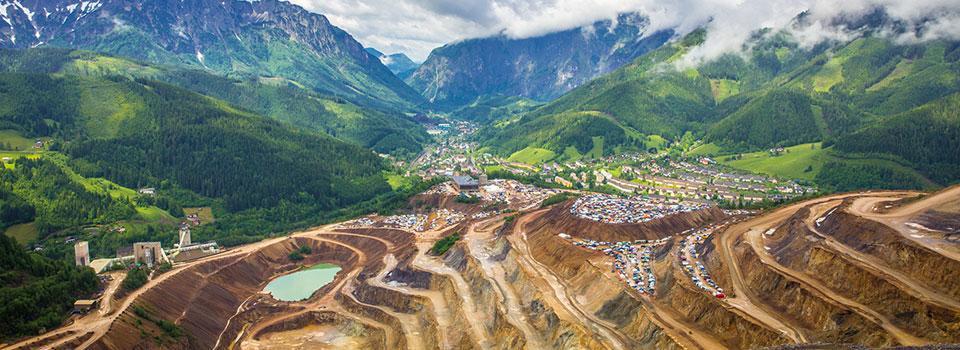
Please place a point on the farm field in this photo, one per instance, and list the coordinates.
(13, 141)
(204, 213)
(532, 156)
(154, 214)
(23, 233)
(14, 155)
(802, 161)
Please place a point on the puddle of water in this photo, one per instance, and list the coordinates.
(300, 285)
(309, 337)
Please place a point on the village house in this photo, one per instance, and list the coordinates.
(563, 182)
(193, 219)
(147, 191)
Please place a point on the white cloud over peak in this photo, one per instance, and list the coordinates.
(415, 27)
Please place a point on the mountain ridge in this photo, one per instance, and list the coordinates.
(775, 95)
(540, 68)
(259, 38)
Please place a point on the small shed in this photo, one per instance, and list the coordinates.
(84, 305)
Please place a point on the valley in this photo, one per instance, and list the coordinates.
(277, 174)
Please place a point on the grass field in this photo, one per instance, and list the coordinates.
(655, 141)
(398, 181)
(14, 155)
(707, 149)
(23, 233)
(791, 164)
(902, 70)
(571, 154)
(597, 150)
(91, 184)
(11, 140)
(532, 156)
(204, 213)
(105, 106)
(492, 168)
(831, 74)
(154, 214)
(723, 88)
(115, 191)
(617, 172)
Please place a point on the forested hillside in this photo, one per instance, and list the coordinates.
(927, 137)
(280, 99)
(872, 97)
(40, 191)
(35, 292)
(139, 133)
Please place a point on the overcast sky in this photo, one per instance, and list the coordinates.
(415, 27)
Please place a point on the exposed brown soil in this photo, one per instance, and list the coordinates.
(822, 274)
(558, 219)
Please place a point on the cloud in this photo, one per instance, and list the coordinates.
(415, 27)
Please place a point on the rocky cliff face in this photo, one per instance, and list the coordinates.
(541, 68)
(260, 38)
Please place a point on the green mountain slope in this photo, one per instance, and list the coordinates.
(36, 293)
(776, 94)
(43, 192)
(244, 39)
(281, 99)
(637, 99)
(928, 138)
(140, 133)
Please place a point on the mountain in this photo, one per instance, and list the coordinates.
(267, 38)
(280, 99)
(398, 63)
(145, 133)
(927, 136)
(540, 68)
(777, 94)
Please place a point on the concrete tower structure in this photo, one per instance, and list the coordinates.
(184, 235)
(81, 253)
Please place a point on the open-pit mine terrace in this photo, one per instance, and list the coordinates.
(878, 269)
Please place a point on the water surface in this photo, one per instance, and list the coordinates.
(301, 284)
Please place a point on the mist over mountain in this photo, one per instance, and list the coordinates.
(398, 63)
(541, 68)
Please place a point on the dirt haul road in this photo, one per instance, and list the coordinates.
(900, 218)
(874, 265)
(559, 292)
(517, 288)
(686, 336)
(99, 323)
(752, 232)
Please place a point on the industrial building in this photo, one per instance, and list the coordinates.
(83, 306)
(466, 184)
(149, 253)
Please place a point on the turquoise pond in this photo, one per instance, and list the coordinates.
(301, 284)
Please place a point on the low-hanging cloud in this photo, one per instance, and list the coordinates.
(417, 26)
